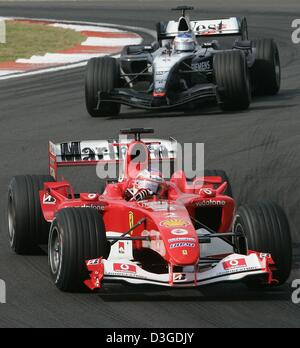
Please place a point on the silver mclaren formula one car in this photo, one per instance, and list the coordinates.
(190, 63)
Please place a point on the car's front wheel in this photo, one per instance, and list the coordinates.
(102, 75)
(266, 71)
(76, 235)
(232, 79)
(266, 229)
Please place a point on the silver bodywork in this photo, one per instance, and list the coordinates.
(177, 78)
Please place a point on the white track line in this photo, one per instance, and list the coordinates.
(44, 71)
(111, 42)
(91, 27)
(59, 58)
(80, 28)
(6, 72)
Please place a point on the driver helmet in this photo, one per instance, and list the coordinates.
(184, 42)
(149, 180)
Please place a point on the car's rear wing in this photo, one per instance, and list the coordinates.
(218, 27)
(92, 153)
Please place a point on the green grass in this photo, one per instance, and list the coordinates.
(24, 40)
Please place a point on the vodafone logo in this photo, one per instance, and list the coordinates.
(122, 267)
(179, 232)
(206, 191)
(233, 264)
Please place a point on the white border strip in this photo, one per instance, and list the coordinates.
(75, 65)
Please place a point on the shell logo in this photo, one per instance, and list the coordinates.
(175, 223)
(131, 219)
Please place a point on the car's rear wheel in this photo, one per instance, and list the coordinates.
(26, 224)
(77, 235)
(224, 177)
(102, 75)
(266, 71)
(267, 230)
(233, 80)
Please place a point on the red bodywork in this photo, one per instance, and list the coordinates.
(157, 239)
(168, 220)
(171, 217)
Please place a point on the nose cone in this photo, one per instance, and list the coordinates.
(181, 241)
(183, 251)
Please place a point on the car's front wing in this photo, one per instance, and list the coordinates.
(142, 100)
(232, 268)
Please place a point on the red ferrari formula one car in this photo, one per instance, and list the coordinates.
(143, 229)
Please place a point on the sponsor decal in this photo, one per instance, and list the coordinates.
(207, 191)
(171, 215)
(94, 262)
(47, 199)
(211, 203)
(265, 256)
(179, 232)
(122, 267)
(93, 206)
(160, 73)
(121, 247)
(179, 276)
(175, 223)
(131, 219)
(233, 264)
(202, 66)
(182, 239)
(92, 196)
(182, 245)
(211, 28)
(157, 206)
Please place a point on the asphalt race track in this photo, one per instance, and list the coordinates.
(259, 149)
